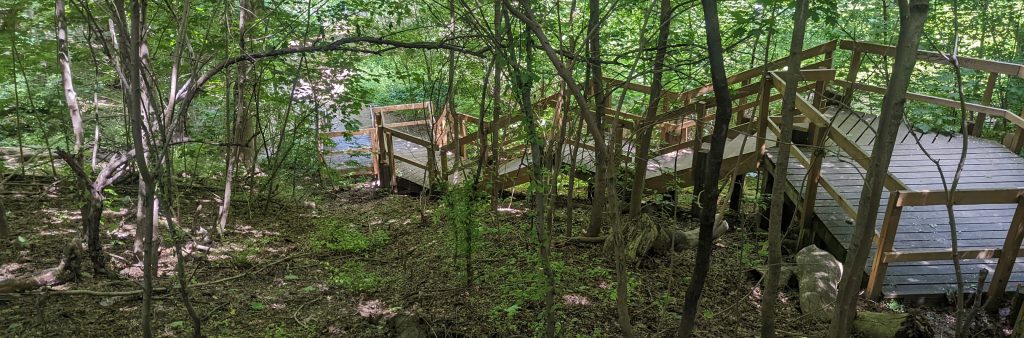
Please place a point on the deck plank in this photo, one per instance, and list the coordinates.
(988, 165)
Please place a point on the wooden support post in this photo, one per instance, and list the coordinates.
(890, 224)
(978, 125)
(762, 112)
(383, 169)
(1015, 140)
(819, 87)
(851, 77)
(392, 175)
(1011, 246)
(810, 195)
(736, 197)
(375, 150)
(697, 172)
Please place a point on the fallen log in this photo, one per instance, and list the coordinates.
(67, 270)
(677, 240)
(643, 237)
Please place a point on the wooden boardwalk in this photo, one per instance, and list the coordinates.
(988, 165)
(911, 256)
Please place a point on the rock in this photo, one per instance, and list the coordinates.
(818, 273)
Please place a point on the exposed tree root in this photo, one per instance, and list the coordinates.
(68, 270)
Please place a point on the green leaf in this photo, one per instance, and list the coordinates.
(257, 306)
(309, 288)
(291, 277)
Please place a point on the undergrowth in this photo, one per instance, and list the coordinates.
(333, 237)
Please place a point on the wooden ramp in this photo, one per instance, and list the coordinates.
(911, 256)
(982, 227)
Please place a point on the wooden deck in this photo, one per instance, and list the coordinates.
(911, 256)
(988, 165)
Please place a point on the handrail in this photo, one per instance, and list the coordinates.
(933, 57)
(401, 107)
(1008, 115)
(855, 151)
(409, 137)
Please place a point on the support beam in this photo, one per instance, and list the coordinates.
(890, 224)
(1011, 248)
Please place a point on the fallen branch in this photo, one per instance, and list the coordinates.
(46, 290)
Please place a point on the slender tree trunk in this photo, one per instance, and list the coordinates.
(246, 132)
(769, 298)
(601, 159)
(64, 59)
(913, 14)
(17, 97)
(242, 149)
(133, 41)
(522, 77)
(5, 229)
(643, 136)
(709, 197)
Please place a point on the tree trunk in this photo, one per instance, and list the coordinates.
(524, 84)
(245, 136)
(643, 136)
(5, 229)
(769, 299)
(64, 59)
(913, 14)
(242, 149)
(601, 160)
(709, 198)
(132, 43)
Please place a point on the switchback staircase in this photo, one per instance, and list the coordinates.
(912, 254)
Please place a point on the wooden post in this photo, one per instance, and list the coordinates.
(763, 112)
(807, 234)
(383, 170)
(851, 77)
(1011, 246)
(375, 145)
(1015, 140)
(392, 175)
(736, 197)
(890, 224)
(819, 87)
(698, 126)
(697, 174)
(986, 99)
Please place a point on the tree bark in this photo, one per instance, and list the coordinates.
(601, 159)
(643, 136)
(524, 84)
(913, 14)
(93, 198)
(64, 59)
(769, 298)
(133, 42)
(709, 198)
(5, 229)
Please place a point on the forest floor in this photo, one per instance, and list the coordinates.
(345, 262)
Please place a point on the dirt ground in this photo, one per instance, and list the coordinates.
(286, 270)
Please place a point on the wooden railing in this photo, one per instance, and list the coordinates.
(684, 123)
(1006, 255)
(900, 194)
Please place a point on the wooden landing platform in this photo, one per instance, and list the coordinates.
(665, 172)
(988, 165)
